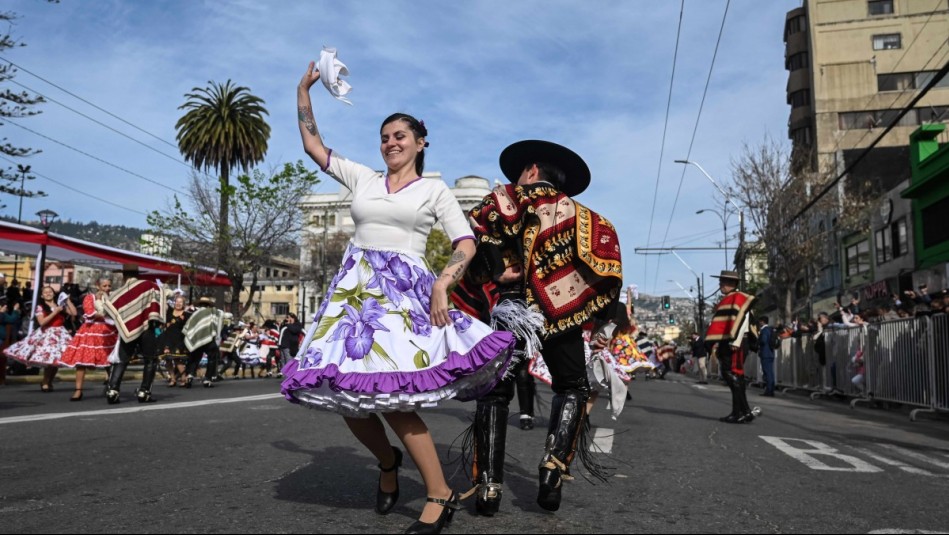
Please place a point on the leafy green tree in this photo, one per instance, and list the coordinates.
(222, 129)
(437, 250)
(266, 219)
(15, 105)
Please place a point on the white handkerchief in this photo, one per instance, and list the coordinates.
(330, 71)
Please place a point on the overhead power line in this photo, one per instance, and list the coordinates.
(103, 110)
(932, 83)
(100, 123)
(894, 70)
(100, 199)
(695, 130)
(14, 123)
(662, 147)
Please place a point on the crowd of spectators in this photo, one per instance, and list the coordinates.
(912, 303)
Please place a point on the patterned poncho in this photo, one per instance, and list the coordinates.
(203, 327)
(133, 305)
(728, 317)
(570, 254)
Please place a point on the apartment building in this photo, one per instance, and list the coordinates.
(853, 66)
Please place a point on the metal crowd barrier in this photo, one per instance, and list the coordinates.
(905, 361)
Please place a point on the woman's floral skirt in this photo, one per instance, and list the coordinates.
(372, 347)
(43, 347)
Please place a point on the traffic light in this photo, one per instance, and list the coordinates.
(672, 319)
(665, 303)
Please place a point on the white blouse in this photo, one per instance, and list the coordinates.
(399, 221)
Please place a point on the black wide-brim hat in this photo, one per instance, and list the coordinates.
(516, 157)
(727, 275)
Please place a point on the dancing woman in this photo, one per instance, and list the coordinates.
(384, 341)
(96, 338)
(44, 347)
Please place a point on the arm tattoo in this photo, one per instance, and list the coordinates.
(306, 117)
(458, 257)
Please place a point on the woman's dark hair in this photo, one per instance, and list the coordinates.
(418, 128)
(621, 319)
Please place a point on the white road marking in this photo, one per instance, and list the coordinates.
(916, 455)
(898, 531)
(809, 459)
(902, 466)
(602, 440)
(138, 408)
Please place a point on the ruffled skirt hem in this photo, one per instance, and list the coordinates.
(462, 376)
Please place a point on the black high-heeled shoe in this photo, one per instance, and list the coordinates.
(449, 507)
(385, 501)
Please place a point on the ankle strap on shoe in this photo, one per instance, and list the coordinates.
(450, 503)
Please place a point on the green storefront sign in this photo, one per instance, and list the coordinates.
(929, 189)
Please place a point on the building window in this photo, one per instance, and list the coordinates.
(934, 114)
(858, 258)
(856, 120)
(896, 82)
(935, 229)
(880, 7)
(924, 77)
(800, 98)
(797, 61)
(887, 41)
(279, 309)
(803, 136)
(796, 25)
(884, 245)
(900, 238)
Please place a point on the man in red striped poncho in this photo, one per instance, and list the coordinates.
(136, 309)
(730, 325)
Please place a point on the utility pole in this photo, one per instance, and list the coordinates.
(701, 287)
(740, 253)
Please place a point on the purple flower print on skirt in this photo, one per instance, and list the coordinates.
(358, 328)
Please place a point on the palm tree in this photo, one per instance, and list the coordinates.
(223, 128)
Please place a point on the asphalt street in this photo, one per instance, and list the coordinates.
(239, 458)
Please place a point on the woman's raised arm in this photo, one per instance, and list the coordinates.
(312, 142)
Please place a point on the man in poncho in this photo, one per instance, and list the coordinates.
(731, 323)
(137, 308)
(202, 336)
(567, 258)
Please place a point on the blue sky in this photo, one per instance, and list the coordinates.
(482, 74)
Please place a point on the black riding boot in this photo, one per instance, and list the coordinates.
(566, 423)
(730, 381)
(144, 393)
(115, 382)
(490, 434)
(745, 415)
(526, 390)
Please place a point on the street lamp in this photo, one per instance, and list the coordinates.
(741, 215)
(46, 221)
(724, 218)
(688, 293)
